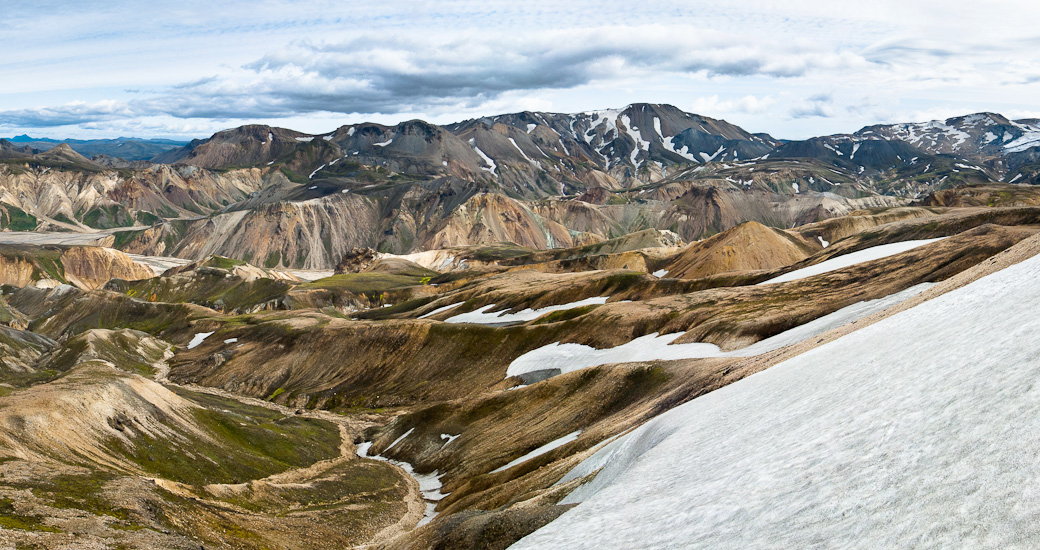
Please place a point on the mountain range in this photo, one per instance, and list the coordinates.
(122, 147)
(283, 198)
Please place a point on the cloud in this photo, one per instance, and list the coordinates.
(77, 112)
(401, 73)
(819, 105)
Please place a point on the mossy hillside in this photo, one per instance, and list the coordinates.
(359, 484)
(125, 349)
(11, 519)
(15, 219)
(221, 262)
(245, 443)
(360, 283)
(102, 309)
(213, 287)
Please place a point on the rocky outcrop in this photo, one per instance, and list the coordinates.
(356, 260)
(90, 267)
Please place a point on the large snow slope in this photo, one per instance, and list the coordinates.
(852, 258)
(920, 431)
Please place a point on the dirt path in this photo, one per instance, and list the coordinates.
(348, 427)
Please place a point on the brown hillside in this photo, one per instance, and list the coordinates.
(748, 246)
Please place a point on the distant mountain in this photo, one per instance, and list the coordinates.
(535, 179)
(124, 148)
(527, 154)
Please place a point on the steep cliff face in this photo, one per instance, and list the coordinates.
(90, 267)
(490, 218)
(86, 267)
(16, 270)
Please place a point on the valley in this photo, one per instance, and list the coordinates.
(478, 335)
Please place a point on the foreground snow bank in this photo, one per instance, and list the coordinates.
(852, 258)
(918, 431)
(570, 357)
(480, 316)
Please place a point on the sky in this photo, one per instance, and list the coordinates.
(794, 69)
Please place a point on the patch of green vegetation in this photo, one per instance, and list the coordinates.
(122, 238)
(363, 283)
(355, 483)
(145, 217)
(221, 262)
(273, 259)
(16, 219)
(275, 394)
(499, 251)
(206, 288)
(246, 443)
(565, 315)
(63, 218)
(9, 519)
(79, 492)
(293, 176)
(105, 217)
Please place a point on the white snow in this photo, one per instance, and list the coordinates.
(350, 131)
(855, 147)
(522, 153)
(320, 168)
(399, 439)
(440, 309)
(709, 158)
(685, 152)
(637, 136)
(429, 484)
(1014, 179)
(487, 159)
(797, 189)
(1030, 138)
(305, 139)
(660, 273)
(385, 143)
(571, 357)
(481, 316)
(531, 127)
(918, 431)
(852, 258)
(449, 438)
(554, 444)
(824, 243)
(230, 340)
(198, 339)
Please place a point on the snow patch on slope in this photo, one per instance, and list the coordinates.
(481, 316)
(571, 357)
(852, 258)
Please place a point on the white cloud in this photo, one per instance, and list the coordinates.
(762, 64)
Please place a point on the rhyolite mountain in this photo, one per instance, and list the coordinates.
(282, 198)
